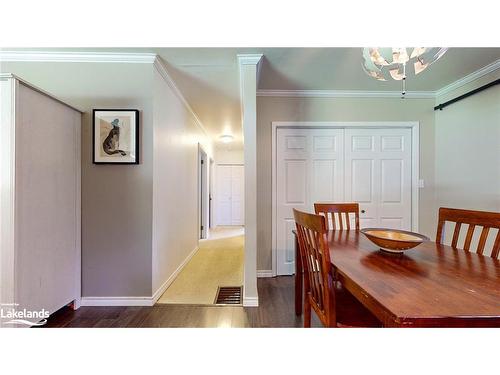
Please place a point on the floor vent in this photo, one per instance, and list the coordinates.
(228, 295)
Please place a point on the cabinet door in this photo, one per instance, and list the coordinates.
(47, 202)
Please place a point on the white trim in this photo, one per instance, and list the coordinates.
(264, 273)
(116, 301)
(89, 57)
(415, 155)
(250, 301)
(469, 78)
(38, 89)
(250, 59)
(382, 94)
(172, 277)
(248, 124)
(138, 301)
(162, 70)
(8, 241)
(345, 94)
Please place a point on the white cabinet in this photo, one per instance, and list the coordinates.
(230, 195)
(40, 199)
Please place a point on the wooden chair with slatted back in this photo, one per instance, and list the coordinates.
(487, 220)
(331, 210)
(333, 309)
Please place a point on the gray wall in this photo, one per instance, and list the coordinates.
(468, 149)
(271, 109)
(116, 199)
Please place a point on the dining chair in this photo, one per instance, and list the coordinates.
(334, 308)
(332, 210)
(484, 219)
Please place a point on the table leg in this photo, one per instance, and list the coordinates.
(298, 279)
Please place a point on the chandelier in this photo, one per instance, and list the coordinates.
(385, 63)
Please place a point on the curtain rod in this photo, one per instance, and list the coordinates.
(487, 86)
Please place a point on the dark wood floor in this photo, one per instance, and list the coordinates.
(276, 309)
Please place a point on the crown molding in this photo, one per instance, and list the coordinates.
(104, 57)
(469, 78)
(161, 68)
(382, 94)
(345, 94)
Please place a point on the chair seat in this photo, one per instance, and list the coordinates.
(351, 313)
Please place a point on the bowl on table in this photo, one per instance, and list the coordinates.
(393, 241)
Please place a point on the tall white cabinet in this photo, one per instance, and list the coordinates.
(40, 264)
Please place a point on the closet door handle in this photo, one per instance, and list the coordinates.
(363, 211)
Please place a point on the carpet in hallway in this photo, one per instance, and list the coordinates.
(218, 262)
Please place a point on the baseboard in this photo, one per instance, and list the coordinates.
(250, 301)
(172, 277)
(117, 301)
(265, 273)
(138, 301)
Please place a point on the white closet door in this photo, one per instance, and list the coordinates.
(230, 195)
(237, 195)
(223, 191)
(310, 165)
(378, 176)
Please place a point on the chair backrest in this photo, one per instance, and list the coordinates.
(315, 255)
(486, 220)
(331, 210)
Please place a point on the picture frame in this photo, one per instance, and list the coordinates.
(115, 136)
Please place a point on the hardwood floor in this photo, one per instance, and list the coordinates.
(276, 309)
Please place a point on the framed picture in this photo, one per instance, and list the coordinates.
(115, 136)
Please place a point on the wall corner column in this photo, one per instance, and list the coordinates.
(249, 70)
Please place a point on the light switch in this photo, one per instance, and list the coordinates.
(421, 184)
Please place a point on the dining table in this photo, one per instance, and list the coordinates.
(431, 285)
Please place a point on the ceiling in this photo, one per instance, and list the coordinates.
(209, 77)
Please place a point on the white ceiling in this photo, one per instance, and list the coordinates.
(209, 80)
(209, 77)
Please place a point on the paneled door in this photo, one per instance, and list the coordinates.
(310, 168)
(378, 176)
(371, 166)
(230, 195)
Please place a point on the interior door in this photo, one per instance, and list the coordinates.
(224, 195)
(237, 195)
(309, 169)
(230, 195)
(378, 176)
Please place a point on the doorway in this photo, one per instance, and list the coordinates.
(203, 196)
(230, 203)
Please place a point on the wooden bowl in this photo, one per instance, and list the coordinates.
(393, 241)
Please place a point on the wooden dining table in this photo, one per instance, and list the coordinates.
(431, 285)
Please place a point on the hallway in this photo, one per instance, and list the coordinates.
(218, 262)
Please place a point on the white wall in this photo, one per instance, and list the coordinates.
(228, 155)
(175, 181)
(468, 149)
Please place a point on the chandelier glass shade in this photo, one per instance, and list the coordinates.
(400, 62)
